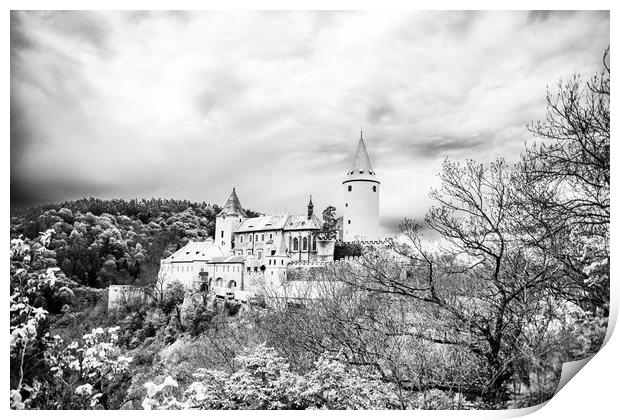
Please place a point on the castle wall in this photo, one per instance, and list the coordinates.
(119, 295)
(361, 210)
(224, 228)
(258, 243)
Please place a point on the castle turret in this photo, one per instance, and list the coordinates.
(310, 208)
(227, 221)
(361, 198)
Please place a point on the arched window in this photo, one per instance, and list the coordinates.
(314, 243)
(304, 244)
(232, 284)
(295, 244)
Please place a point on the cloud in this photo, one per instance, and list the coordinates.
(186, 104)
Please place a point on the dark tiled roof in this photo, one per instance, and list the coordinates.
(261, 223)
(301, 222)
(282, 222)
(361, 168)
(233, 205)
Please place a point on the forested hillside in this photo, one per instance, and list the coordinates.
(101, 242)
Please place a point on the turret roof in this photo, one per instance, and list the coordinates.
(361, 168)
(233, 205)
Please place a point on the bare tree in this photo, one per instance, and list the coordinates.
(566, 179)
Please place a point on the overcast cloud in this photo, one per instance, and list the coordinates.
(185, 105)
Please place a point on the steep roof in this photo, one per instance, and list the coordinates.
(361, 168)
(233, 205)
(197, 251)
(284, 221)
(301, 222)
(232, 259)
(259, 223)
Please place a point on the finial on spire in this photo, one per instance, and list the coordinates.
(361, 134)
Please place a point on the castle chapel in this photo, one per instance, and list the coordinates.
(247, 250)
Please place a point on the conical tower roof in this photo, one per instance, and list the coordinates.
(233, 205)
(361, 168)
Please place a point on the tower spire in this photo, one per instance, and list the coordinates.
(361, 161)
(310, 208)
(233, 205)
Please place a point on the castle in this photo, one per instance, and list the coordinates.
(250, 252)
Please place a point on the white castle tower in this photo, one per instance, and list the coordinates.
(227, 221)
(360, 220)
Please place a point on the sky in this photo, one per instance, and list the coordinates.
(188, 104)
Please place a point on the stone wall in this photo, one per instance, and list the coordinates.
(120, 295)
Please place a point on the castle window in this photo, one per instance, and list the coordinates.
(314, 243)
(260, 255)
(346, 204)
(374, 188)
(241, 239)
(349, 221)
(295, 244)
(222, 235)
(262, 237)
(273, 252)
(304, 244)
(282, 262)
(350, 188)
(256, 238)
(271, 236)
